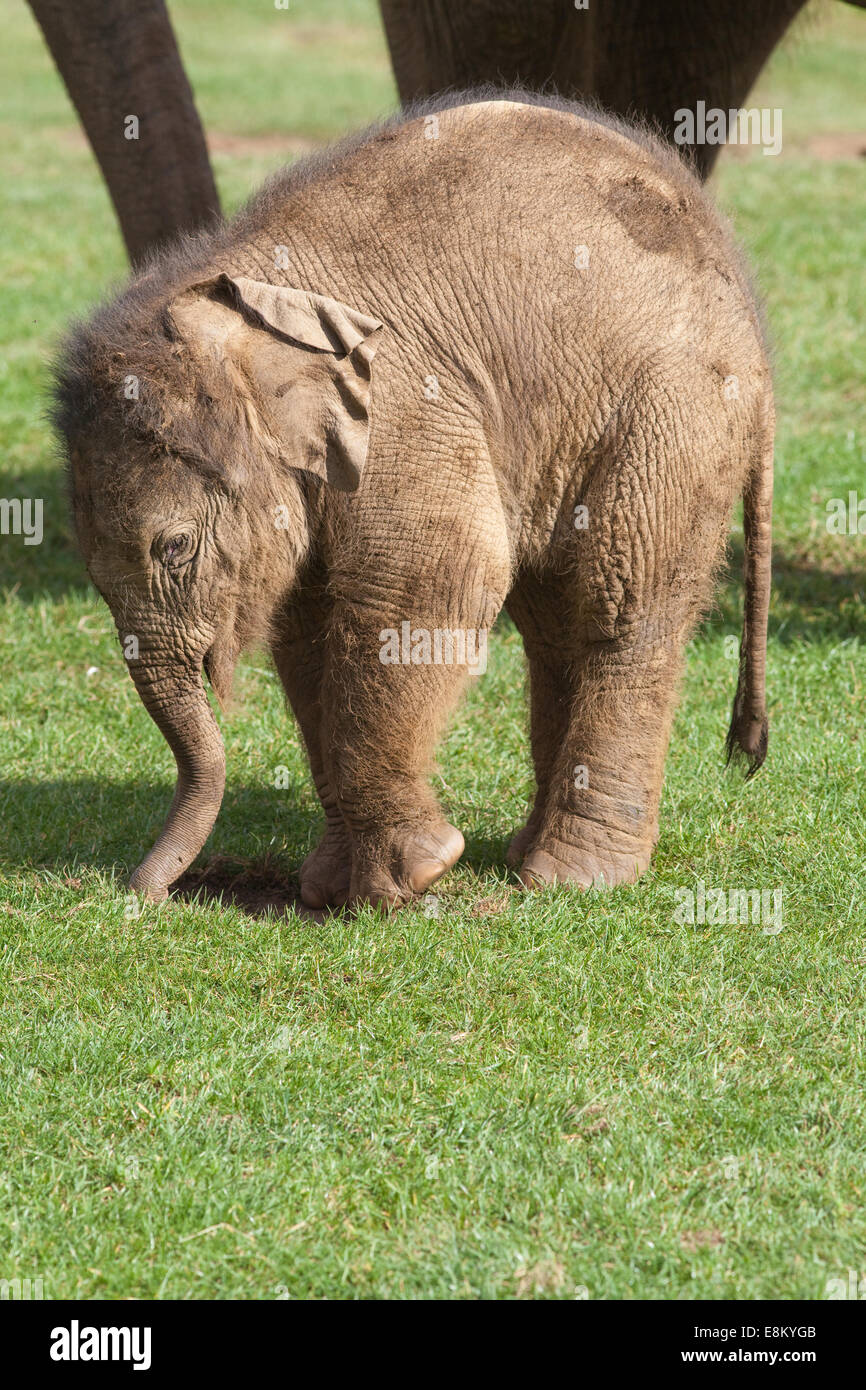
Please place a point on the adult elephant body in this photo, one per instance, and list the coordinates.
(636, 57)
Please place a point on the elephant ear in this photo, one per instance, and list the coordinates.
(309, 359)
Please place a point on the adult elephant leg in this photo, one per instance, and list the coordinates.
(437, 44)
(121, 60)
(636, 57)
(653, 61)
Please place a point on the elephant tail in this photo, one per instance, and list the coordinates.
(748, 732)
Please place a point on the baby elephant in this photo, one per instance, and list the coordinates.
(494, 352)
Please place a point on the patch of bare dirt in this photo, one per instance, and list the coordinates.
(693, 1241)
(846, 145)
(838, 145)
(281, 144)
(256, 888)
(274, 142)
(491, 907)
(544, 1277)
(591, 1121)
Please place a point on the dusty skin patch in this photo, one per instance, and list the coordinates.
(653, 221)
(588, 127)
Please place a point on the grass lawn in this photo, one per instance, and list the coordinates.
(492, 1094)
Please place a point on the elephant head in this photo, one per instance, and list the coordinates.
(193, 424)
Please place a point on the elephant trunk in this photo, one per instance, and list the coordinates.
(179, 707)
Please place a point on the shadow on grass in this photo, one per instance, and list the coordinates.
(811, 602)
(483, 853)
(257, 888)
(58, 825)
(62, 826)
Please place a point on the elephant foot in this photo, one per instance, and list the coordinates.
(391, 871)
(327, 871)
(552, 860)
(521, 843)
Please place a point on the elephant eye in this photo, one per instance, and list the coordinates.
(175, 550)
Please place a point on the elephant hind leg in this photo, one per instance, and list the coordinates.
(576, 622)
(641, 574)
(600, 716)
(598, 822)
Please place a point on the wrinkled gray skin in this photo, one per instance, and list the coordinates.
(379, 396)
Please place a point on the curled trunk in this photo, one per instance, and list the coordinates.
(179, 707)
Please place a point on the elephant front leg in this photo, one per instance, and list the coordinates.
(599, 822)
(536, 607)
(549, 700)
(386, 694)
(326, 872)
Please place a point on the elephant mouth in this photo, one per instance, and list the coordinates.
(218, 664)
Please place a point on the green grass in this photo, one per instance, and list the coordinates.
(491, 1094)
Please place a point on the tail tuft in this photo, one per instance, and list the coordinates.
(748, 737)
